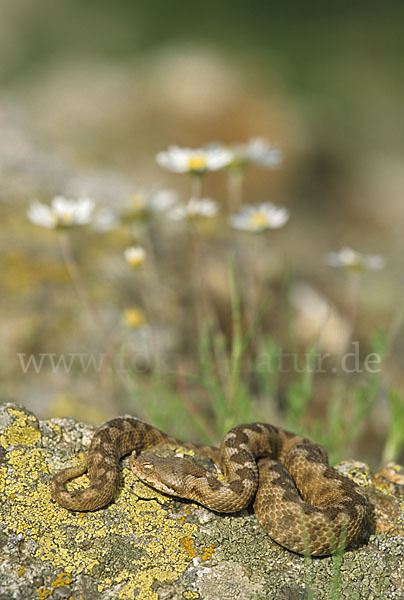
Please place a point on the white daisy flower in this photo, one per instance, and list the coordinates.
(63, 212)
(153, 200)
(257, 151)
(346, 258)
(135, 256)
(195, 208)
(144, 202)
(260, 217)
(105, 220)
(194, 160)
(161, 200)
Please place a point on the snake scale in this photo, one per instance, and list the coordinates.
(302, 503)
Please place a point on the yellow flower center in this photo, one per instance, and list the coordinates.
(135, 258)
(66, 218)
(137, 202)
(136, 261)
(258, 220)
(352, 261)
(62, 220)
(355, 267)
(134, 317)
(196, 163)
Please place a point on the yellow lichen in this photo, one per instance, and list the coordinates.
(20, 432)
(143, 524)
(208, 552)
(188, 546)
(186, 543)
(3, 475)
(63, 579)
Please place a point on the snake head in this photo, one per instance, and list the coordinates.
(169, 475)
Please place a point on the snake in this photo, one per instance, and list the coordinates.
(301, 502)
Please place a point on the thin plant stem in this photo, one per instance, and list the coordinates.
(291, 336)
(196, 185)
(308, 576)
(237, 341)
(201, 307)
(394, 329)
(77, 279)
(395, 438)
(81, 290)
(255, 277)
(351, 311)
(235, 181)
(148, 298)
(337, 560)
(352, 300)
(202, 425)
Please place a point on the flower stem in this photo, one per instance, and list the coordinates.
(81, 290)
(77, 278)
(394, 329)
(200, 300)
(237, 341)
(200, 422)
(235, 181)
(196, 185)
(352, 301)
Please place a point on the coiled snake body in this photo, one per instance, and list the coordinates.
(301, 502)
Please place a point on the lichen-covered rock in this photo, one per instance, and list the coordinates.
(148, 546)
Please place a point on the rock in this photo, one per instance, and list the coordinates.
(147, 546)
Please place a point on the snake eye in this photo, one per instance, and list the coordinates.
(148, 466)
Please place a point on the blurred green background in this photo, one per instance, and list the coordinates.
(90, 91)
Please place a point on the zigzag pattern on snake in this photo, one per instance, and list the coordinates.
(302, 503)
